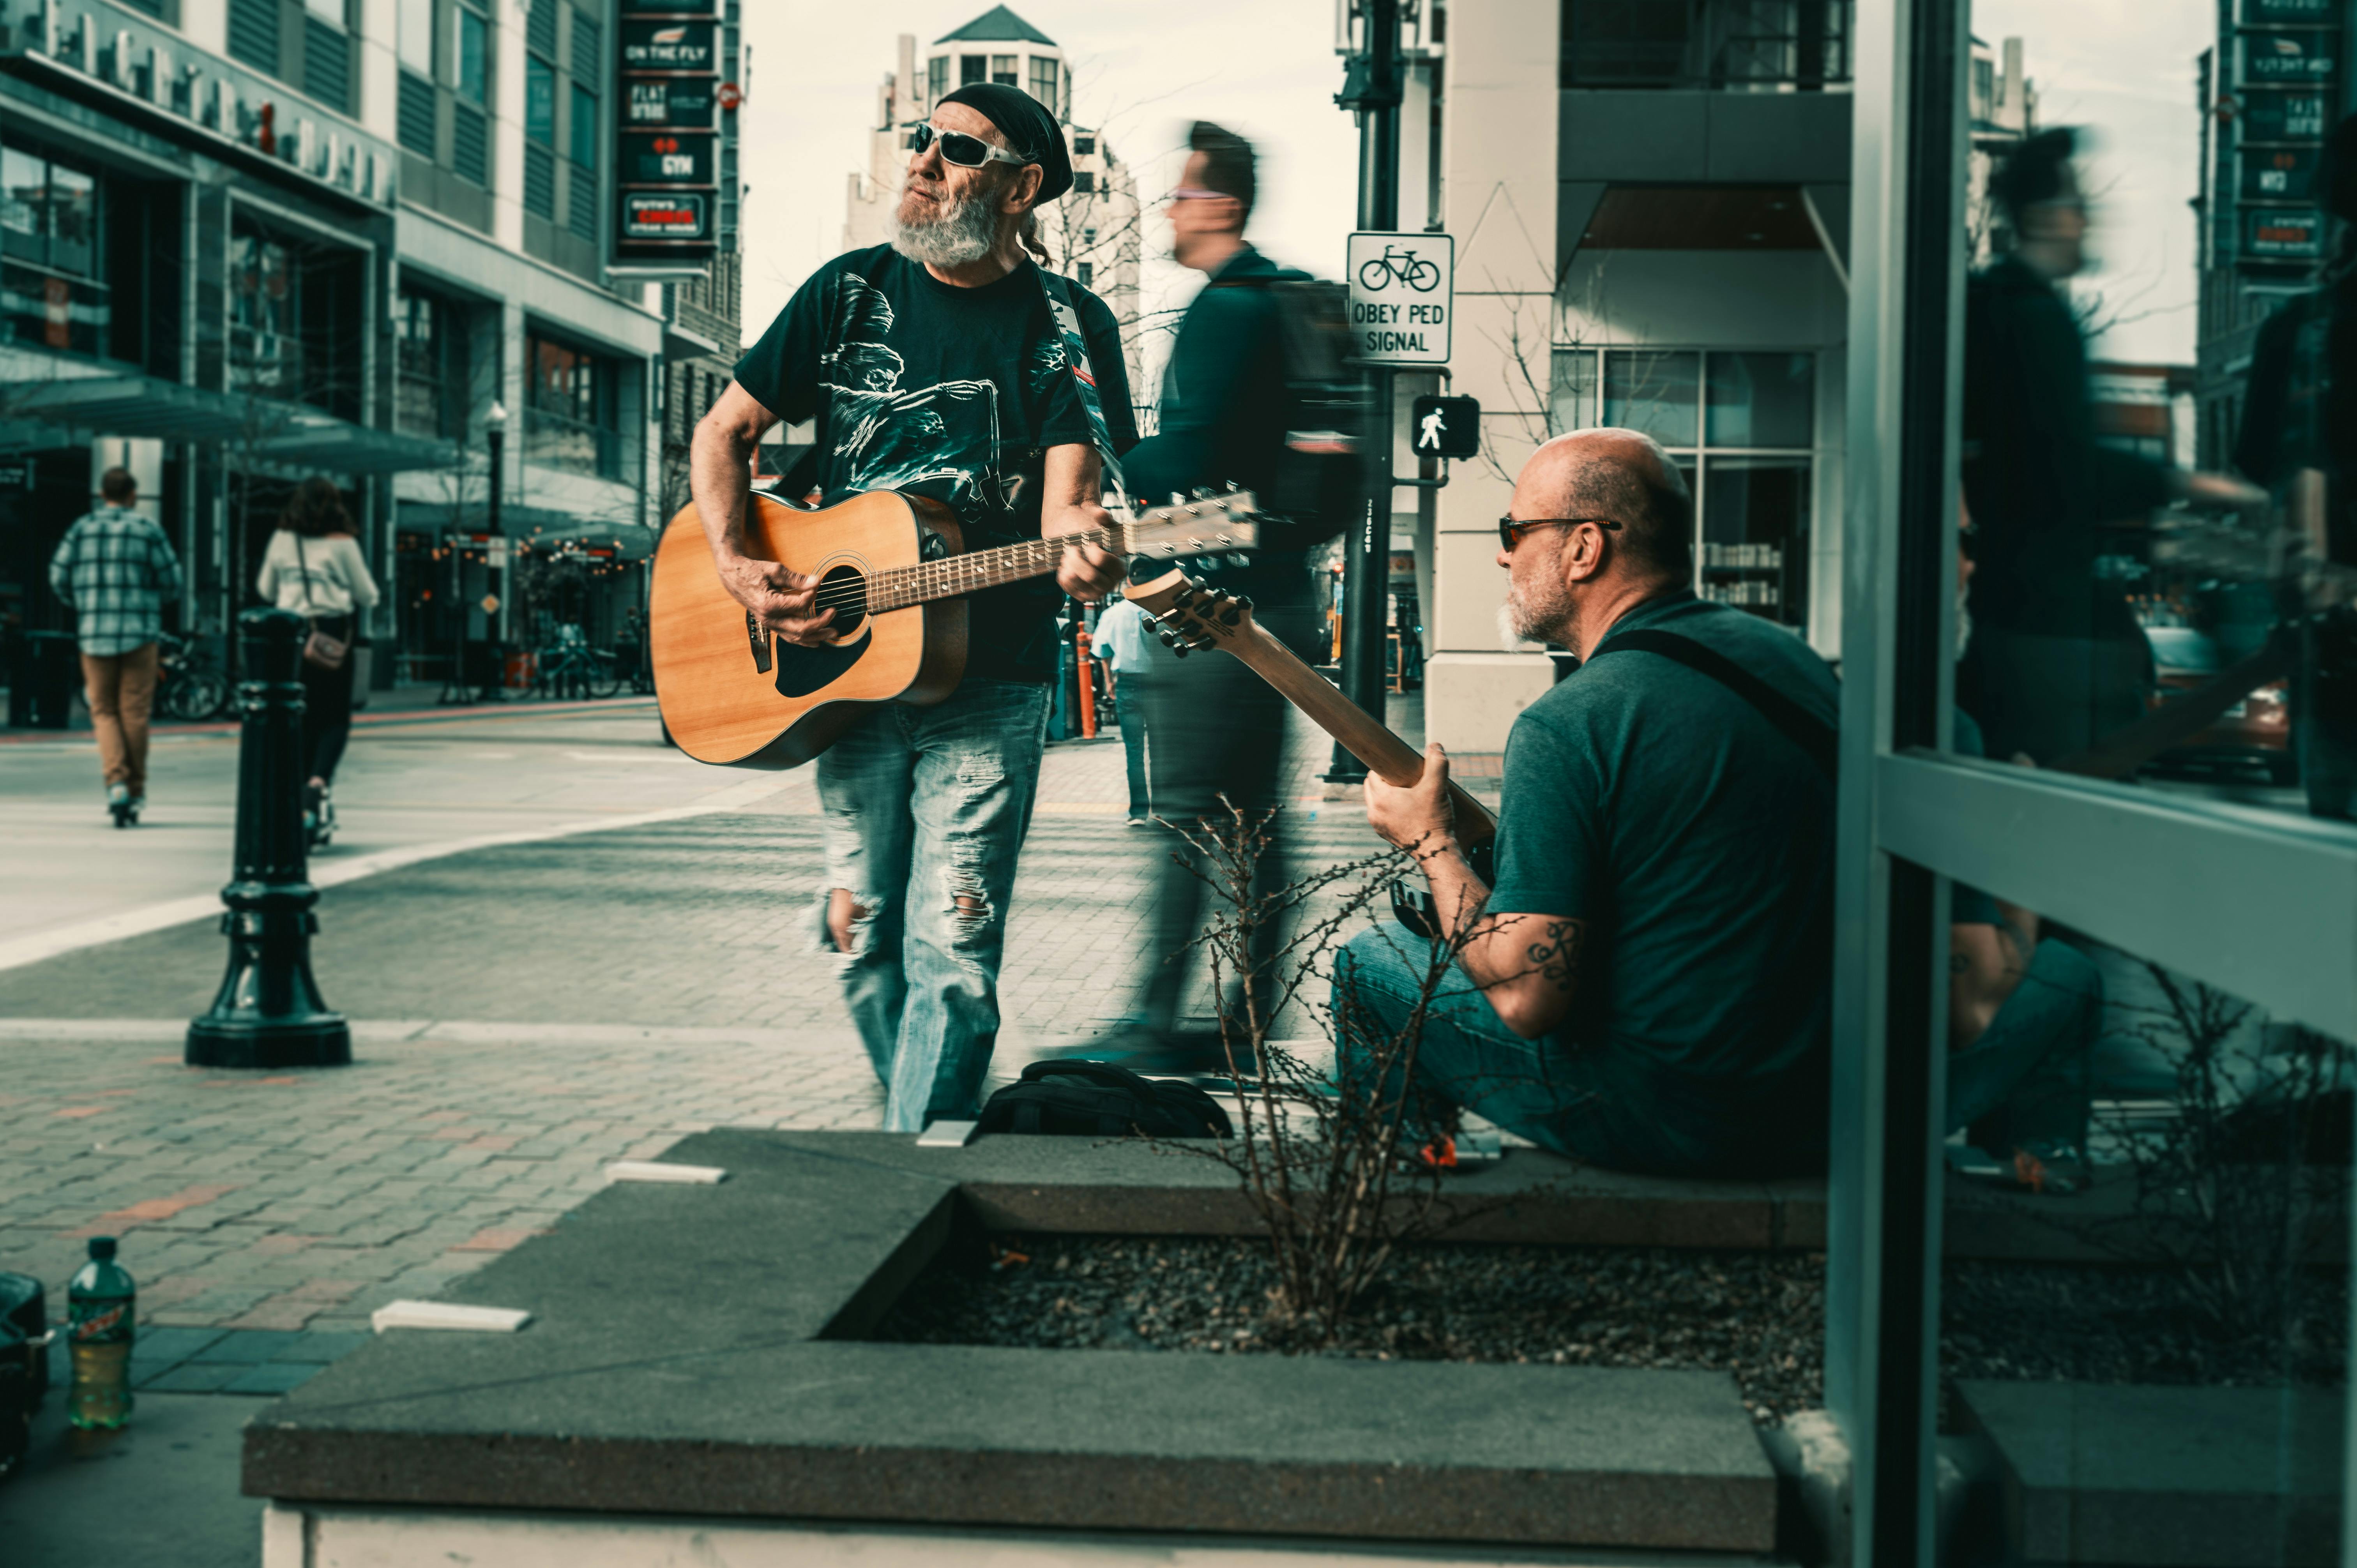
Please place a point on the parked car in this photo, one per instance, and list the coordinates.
(2253, 735)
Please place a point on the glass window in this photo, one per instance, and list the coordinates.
(1755, 535)
(471, 70)
(1658, 394)
(74, 220)
(1760, 400)
(569, 404)
(416, 44)
(48, 212)
(24, 205)
(585, 126)
(1084, 182)
(937, 78)
(1084, 146)
(265, 353)
(327, 10)
(430, 364)
(1727, 45)
(1572, 403)
(539, 100)
(973, 69)
(1002, 70)
(1047, 76)
(1087, 271)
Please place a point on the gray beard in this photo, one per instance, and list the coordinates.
(1964, 627)
(958, 237)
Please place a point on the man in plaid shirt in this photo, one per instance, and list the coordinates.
(115, 569)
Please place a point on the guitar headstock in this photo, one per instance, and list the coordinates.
(1209, 525)
(1189, 613)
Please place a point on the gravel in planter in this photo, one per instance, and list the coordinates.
(1757, 1316)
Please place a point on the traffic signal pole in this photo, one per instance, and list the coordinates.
(1371, 86)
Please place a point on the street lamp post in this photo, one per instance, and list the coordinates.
(495, 436)
(269, 1011)
(1371, 88)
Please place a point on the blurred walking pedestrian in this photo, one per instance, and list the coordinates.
(2057, 659)
(115, 568)
(1121, 640)
(1216, 730)
(315, 568)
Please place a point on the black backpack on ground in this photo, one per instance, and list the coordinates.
(1086, 1099)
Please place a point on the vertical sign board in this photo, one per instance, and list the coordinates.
(667, 162)
(1403, 297)
(2286, 62)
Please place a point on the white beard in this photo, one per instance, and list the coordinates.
(962, 234)
(1509, 639)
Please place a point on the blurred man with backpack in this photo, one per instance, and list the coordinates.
(1255, 391)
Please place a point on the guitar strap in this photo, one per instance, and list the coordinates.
(1084, 381)
(1813, 734)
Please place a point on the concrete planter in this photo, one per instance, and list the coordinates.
(694, 1372)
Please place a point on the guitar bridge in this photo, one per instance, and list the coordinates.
(760, 642)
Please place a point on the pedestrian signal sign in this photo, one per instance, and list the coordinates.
(1444, 427)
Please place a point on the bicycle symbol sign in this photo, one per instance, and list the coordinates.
(1401, 296)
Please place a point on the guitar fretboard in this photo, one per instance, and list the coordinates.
(927, 580)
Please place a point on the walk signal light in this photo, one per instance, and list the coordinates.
(1444, 427)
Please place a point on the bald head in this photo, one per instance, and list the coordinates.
(1623, 475)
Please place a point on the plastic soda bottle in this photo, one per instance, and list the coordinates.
(100, 1321)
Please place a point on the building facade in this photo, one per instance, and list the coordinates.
(1094, 233)
(243, 241)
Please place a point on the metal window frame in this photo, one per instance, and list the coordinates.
(2263, 904)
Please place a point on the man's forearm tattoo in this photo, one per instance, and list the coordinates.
(1556, 955)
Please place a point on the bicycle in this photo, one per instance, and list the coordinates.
(1376, 272)
(570, 669)
(188, 688)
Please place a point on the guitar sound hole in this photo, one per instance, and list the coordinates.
(844, 589)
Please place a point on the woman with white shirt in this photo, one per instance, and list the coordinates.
(315, 567)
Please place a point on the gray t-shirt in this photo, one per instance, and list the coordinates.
(1695, 840)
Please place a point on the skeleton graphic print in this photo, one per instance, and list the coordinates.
(953, 392)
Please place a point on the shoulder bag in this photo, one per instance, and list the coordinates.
(319, 649)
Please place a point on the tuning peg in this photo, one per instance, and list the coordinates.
(1245, 600)
(1234, 487)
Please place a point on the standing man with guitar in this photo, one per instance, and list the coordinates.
(946, 365)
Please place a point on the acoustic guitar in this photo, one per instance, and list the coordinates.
(1194, 616)
(894, 569)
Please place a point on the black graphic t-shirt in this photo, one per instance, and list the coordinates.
(955, 394)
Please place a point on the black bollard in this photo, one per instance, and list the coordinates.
(269, 1011)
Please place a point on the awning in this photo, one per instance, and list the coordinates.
(276, 436)
(543, 529)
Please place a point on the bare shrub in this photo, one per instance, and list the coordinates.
(1343, 1167)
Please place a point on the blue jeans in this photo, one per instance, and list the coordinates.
(1131, 705)
(925, 812)
(1587, 1099)
(2026, 1078)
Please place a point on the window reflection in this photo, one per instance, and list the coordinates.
(2162, 560)
(2145, 1297)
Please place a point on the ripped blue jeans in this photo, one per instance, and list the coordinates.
(925, 812)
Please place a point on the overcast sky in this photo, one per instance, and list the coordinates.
(1265, 69)
(2126, 69)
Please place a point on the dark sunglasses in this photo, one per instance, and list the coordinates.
(967, 152)
(1510, 530)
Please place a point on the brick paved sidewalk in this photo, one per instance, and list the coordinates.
(583, 1000)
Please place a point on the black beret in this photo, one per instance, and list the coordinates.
(1027, 126)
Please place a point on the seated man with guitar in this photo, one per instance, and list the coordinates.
(1646, 985)
(945, 366)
